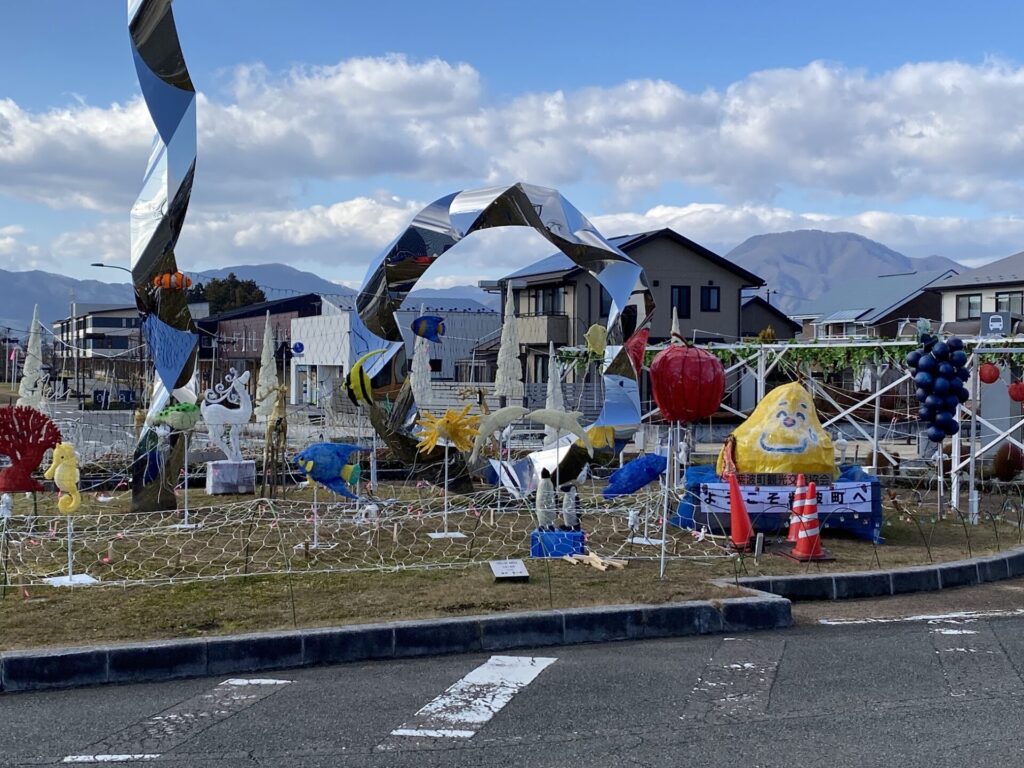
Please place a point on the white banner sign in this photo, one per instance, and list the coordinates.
(836, 499)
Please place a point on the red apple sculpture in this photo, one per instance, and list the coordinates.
(687, 383)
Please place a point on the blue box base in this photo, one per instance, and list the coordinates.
(557, 543)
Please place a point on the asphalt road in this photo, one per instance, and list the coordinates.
(925, 692)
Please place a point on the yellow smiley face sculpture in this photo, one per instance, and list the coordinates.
(783, 435)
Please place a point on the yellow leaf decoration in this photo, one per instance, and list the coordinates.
(457, 427)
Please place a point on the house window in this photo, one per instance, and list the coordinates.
(547, 301)
(1011, 301)
(968, 307)
(710, 296)
(681, 301)
(435, 365)
(606, 303)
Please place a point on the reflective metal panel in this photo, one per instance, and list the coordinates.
(444, 222)
(156, 220)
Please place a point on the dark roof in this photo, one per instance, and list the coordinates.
(1001, 272)
(869, 299)
(758, 301)
(559, 262)
(275, 307)
(413, 303)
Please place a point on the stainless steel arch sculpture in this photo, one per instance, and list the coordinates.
(156, 220)
(446, 221)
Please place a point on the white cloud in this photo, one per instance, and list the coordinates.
(340, 240)
(15, 254)
(943, 130)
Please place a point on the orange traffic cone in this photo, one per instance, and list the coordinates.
(808, 543)
(799, 499)
(740, 530)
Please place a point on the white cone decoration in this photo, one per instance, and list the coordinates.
(31, 388)
(508, 381)
(421, 389)
(676, 336)
(554, 401)
(266, 384)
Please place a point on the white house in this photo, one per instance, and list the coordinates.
(331, 343)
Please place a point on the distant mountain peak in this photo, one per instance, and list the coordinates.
(801, 265)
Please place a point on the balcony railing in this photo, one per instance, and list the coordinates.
(540, 329)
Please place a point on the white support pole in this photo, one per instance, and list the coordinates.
(760, 375)
(939, 455)
(446, 487)
(878, 416)
(669, 473)
(184, 489)
(955, 458)
(71, 554)
(316, 520)
(373, 460)
(972, 492)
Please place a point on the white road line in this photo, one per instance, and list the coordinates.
(465, 707)
(937, 618)
(255, 681)
(435, 733)
(108, 758)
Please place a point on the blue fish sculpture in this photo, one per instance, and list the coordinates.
(430, 327)
(331, 465)
(635, 475)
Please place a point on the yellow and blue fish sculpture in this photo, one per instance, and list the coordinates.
(331, 465)
(357, 383)
(783, 435)
(430, 327)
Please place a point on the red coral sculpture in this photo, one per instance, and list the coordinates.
(25, 436)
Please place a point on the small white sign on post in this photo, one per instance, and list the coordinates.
(509, 570)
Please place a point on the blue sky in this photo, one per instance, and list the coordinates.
(324, 125)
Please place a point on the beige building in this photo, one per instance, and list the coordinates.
(995, 287)
(558, 301)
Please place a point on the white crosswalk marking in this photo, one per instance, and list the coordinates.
(108, 758)
(465, 707)
(158, 734)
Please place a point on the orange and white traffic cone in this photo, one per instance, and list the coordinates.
(799, 499)
(808, 543)
(740, 529)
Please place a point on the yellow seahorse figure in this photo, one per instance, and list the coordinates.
(63, 470)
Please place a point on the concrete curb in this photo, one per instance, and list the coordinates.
(236, 654)
(899, 581)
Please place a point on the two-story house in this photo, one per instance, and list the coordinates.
(995, 287)
(557, 301)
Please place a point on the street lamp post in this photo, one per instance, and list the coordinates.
(110, 266)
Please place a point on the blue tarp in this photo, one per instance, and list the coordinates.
(834, 509)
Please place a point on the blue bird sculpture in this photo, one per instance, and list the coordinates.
(331, 465)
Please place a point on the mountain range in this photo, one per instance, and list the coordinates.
(802, 265)
(54, 293)
(798, 266)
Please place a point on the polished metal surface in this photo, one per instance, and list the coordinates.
(446, 221)
(156, 220)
